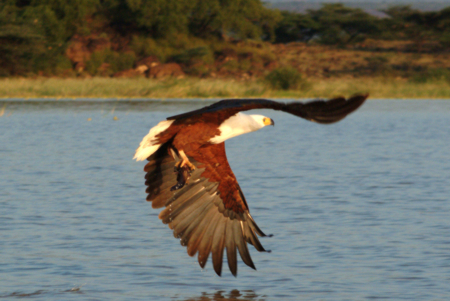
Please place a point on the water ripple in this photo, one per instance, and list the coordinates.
(359, 209)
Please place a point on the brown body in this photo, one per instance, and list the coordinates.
(192, 136)
(209, 212)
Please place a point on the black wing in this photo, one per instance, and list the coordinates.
(321, 111)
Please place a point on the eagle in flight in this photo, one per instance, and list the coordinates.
(188, 173)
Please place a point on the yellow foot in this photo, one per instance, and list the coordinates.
(185, 161)
(189, 164)
(180, 164)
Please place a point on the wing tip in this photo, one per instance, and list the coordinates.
(363, 97)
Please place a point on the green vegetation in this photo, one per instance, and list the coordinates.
(221, 40)
(377, 87)
(287, 78)
(333, 24)
(111, 62)
(34, 34)
(432, 75)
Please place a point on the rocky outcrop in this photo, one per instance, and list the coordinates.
(147, 63)
(236, 60)
(226, 54)
(271, 65)
(98, 44)
(80, 49)
(166, 70)
(104, 69)
(78, 53)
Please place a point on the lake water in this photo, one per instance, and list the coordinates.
(359, 209)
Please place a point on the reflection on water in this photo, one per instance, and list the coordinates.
(220, 295)
(22, 295)
(244, 295)
(42, 293)
(359, 209)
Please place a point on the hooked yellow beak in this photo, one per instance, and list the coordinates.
(268, 121)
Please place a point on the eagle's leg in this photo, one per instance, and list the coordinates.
(183, 168)
(184, 161)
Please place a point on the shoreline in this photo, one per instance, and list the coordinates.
(174, 100)
(188, 88)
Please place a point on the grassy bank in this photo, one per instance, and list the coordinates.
(215, 88)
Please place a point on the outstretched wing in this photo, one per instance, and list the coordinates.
(321, 111)
(209, 214)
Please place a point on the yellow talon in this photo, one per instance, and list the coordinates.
(184, 161)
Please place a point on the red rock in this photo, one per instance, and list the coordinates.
(271, 65)
(166, 70)
(150, 61)
(80, 49)
(104, 69)
(79, 66)
(98, 44)
(226, 55)
(77, 52)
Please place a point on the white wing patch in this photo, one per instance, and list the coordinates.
(148, 146)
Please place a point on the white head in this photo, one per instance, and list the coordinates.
(240, 124)
(262, 120)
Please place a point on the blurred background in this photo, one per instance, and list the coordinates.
(215, 48)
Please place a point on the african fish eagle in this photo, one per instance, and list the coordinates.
(188, 173)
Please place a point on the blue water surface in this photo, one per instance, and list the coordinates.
(359, 209)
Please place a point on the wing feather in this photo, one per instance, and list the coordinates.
(197, 235)
(254, 226)
(321, 111)
(251, 238)
(205, 245)
(192, 224)
(230, 244)
(201, 213)
(218, 244)
(182, 220)
(242, 247)
(172, 212)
